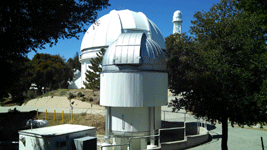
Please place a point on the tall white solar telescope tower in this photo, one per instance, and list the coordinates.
(177, 22)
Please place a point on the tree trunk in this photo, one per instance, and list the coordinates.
(39, 90)
(224, 133)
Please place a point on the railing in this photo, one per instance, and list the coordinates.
(200, 123)
(116, 145)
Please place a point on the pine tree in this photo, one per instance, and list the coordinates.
(92, 75)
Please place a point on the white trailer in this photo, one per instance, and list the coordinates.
(55, 137)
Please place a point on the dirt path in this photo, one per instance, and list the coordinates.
(61, 102)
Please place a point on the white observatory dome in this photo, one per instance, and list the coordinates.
(177, 16)
(134, 51)
(107, 29)
(137, 65)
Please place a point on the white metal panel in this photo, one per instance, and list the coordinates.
(126, 39)
(107, 29)
(114, 28)
(124, 52)
(145, 24)
(118, 53)
(127, 19)
(156, 35)
(133, 39)
(130, 119)
(136, 55)
(140, 22)
(131, 50)
(154, 86)
(143, 48)
(157, 118)
(83, 70)
(109, 55)
(100, 37)
(133, 89)
(96, 30)
(127, 48)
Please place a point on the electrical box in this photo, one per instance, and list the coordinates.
(84, 143)
(59, 137)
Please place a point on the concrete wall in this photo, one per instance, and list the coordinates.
(173, 145)
(190, 141)
(194, 140)
(191, 128)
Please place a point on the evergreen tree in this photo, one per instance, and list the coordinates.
(74, 62)
(92, 75)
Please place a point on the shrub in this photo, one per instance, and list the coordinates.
(70, 96)
(63, 92)
(31, 94)
(80, 94)
(83, 99)
(91, 99)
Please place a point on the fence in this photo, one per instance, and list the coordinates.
(62, 120)
(182, 116)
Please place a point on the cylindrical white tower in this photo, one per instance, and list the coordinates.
(133, 87)
(177, 22)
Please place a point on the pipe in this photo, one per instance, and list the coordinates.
(54, 115)
(37, 114)
(62, 116)
(152, 125)
(107, 125)
(71, 117)
(46, 114)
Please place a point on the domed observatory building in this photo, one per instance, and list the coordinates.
(133, 89)
(133, 81)
(108, 28)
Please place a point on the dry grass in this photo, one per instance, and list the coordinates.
(88, 94)
(97, 121)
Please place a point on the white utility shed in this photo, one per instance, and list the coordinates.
(55, 137)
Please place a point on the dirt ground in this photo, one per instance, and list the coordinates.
(97, 121)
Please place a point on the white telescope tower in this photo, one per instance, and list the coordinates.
(177, 22)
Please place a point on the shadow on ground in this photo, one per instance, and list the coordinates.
(10, 124)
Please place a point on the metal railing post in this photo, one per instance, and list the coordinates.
(164, 114)
(185, 126)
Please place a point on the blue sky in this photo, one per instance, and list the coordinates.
(158, 11)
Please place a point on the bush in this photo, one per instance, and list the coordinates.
(91, 99)
(83, 99)
(80, 94)
(63, 92)
(31, 94)
(70, 96)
